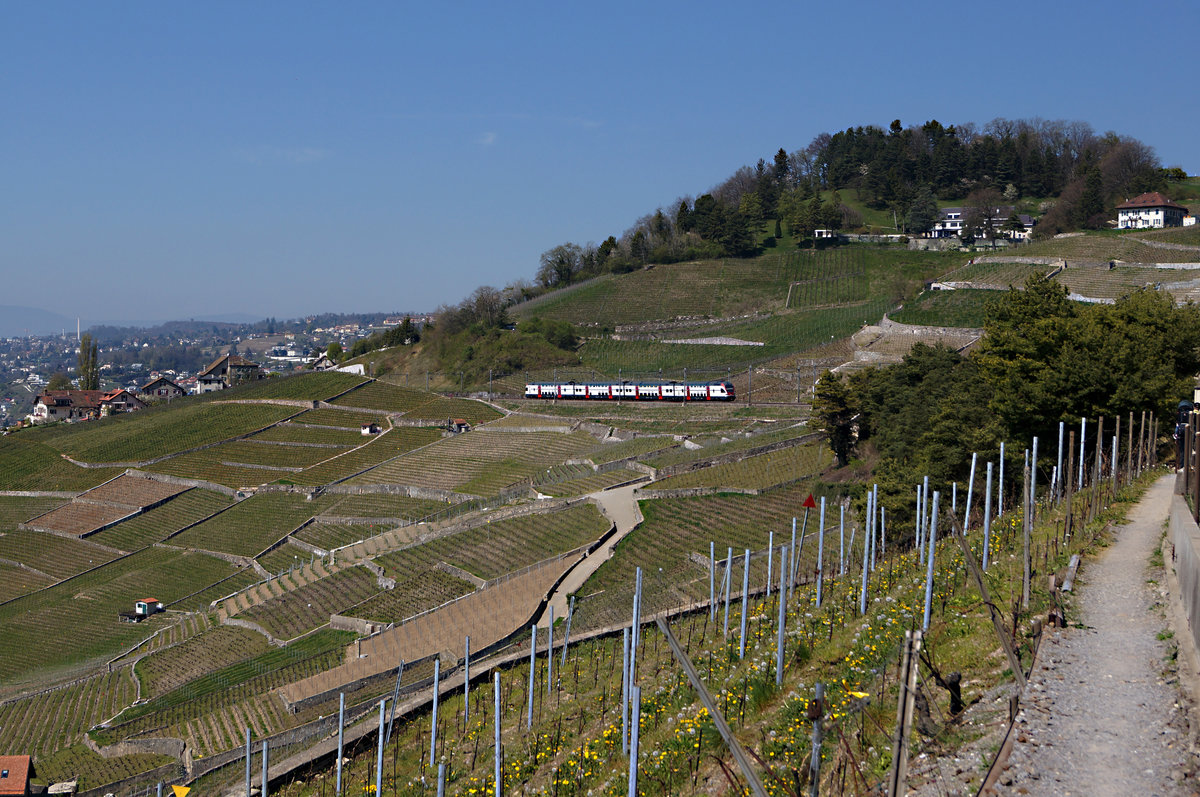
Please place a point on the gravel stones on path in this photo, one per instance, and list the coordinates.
(1102, 714)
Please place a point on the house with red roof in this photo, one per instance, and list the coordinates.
(15, 772)
(1148, 211)
(74, 405)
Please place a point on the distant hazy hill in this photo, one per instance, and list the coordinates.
(20, 321)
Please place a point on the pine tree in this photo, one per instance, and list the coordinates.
(89, 364)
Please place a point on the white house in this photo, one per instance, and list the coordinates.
(1150, 210)
(951, 223)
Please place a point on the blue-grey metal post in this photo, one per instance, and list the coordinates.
(532, 667)
(728, 570)
(820, 551)
(745, 603)
(567, 632)
(869, 531)
(160, 788)
(1000, 485)
(932, 559)
(795, 558)
(265, 760)
(248, 762)
(550, 653)
(842, 542)
(1082, 435)
(633, 742)
(779, 638)
(341, 739)
(379, 750)
(882, 530)
(970, 493)
(987, 518)
(496, 714)
(1113, 461)
(625, 691)
(1058, 481)
(637, 613)
(712, 581)
(466, 679)
(441, 787)
(862, 595)
(437, 677)
(1033, 481)
(770, 559)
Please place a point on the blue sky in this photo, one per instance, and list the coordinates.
(170, 160)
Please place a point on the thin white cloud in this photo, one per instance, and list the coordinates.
(487, 139)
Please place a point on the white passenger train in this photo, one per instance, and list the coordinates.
(674, 391)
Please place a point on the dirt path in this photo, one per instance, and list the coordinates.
(1101, 715)
(621, 508)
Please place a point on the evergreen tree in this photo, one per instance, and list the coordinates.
(834, 413)
(89, 363)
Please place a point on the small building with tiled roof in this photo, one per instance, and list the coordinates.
(161, 389)
(74, 405)
(15, 772)
(1150, 210)
(226, 371)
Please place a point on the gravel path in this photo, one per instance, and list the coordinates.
(1102, 715)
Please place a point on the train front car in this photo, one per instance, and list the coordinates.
(722, 391)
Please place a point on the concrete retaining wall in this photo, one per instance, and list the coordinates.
(1185, 537)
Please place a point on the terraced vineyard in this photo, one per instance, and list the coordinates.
(201, 465)
(251, 526)
(328, 536)
(43, 723)
(384, 396)
(155, 525)
(58, 557)
(998, 275)
(219, 647)
(307, 607)
(480, 462)
(1101, 248)
(439, 408)
(17, 581)
(212, 709)
(1101, 282)
(589, 483)
(159, 431)
(15, 510)
(384, 447)
(284, 557)
(676, 528)
(496, 549)
(683, 455)
(1187, 236)
(636, 447)
(384, 505)
(290, 432)
(757, 472)
(27, 464)
(314, 385)
(82, 612)
(415, 594)
(341, 418)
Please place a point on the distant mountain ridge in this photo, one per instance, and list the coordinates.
(19, 321)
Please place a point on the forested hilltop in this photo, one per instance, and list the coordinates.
(1075, 175)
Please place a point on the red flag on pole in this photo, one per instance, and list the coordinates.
(810, 502)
